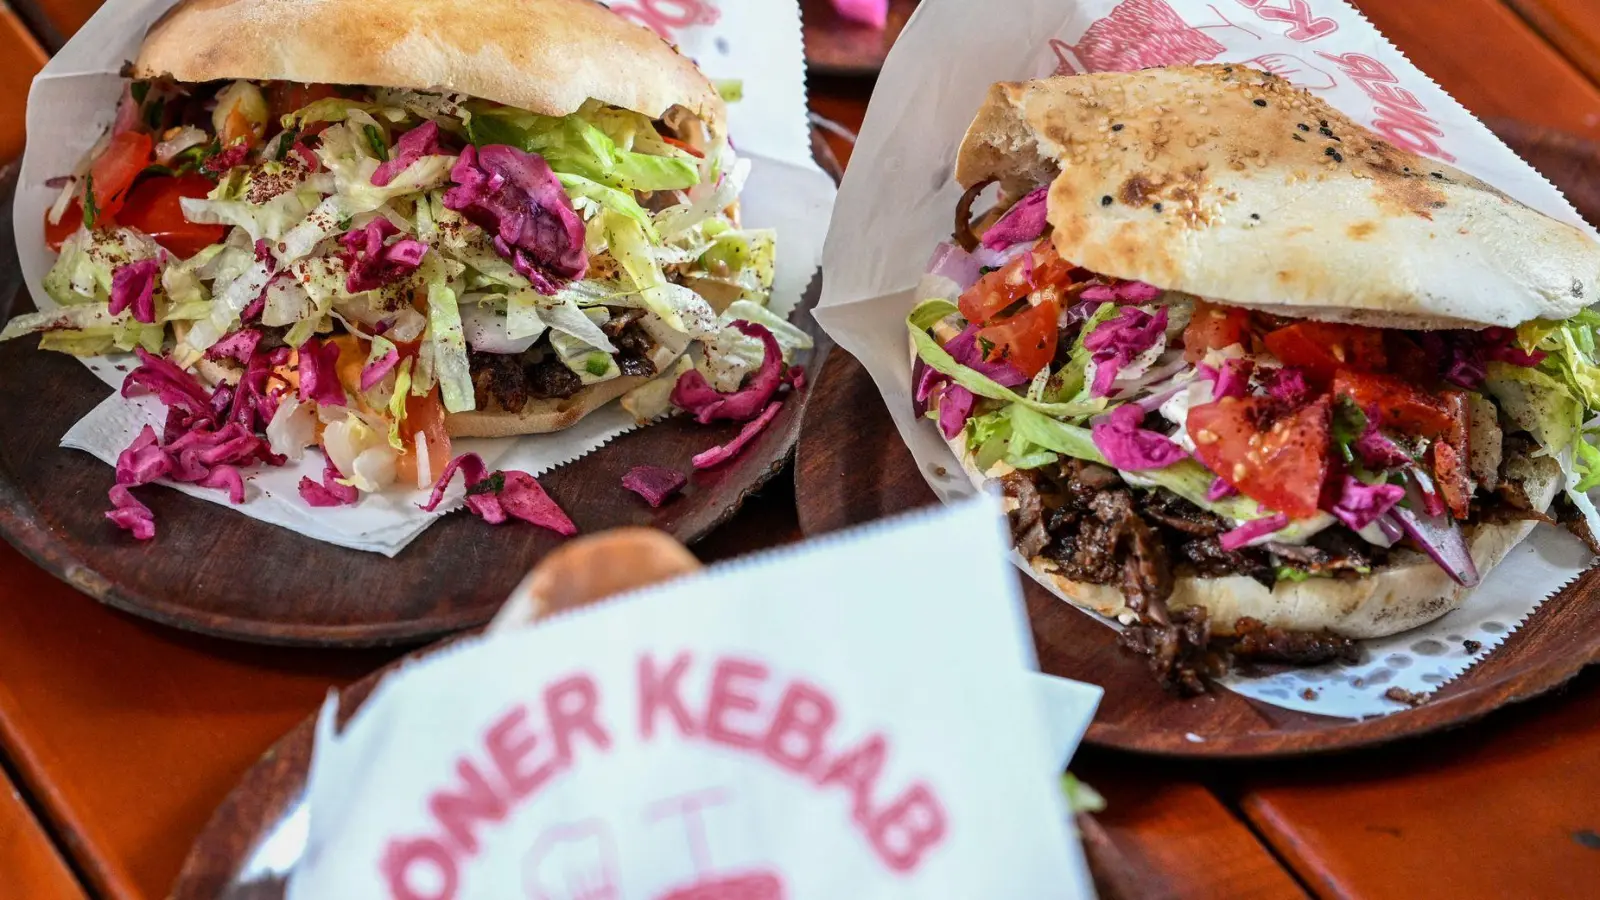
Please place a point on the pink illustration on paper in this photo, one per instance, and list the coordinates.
(572, 861)
(668, 17)
(1297, 70)
(709, 884)
(1138, 34)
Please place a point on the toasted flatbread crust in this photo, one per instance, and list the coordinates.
(544, 416)
(1232, 184)
(546, 56)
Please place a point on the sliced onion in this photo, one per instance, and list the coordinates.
(1155, 374)
(956, 264)
(997, 259)
(1438, 536)
(485, 328)
(187, 136)
(1382, 531)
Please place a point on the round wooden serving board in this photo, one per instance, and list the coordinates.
(838, 46)
(851, 467)
(213, 570)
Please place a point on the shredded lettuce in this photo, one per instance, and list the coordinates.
(397, 401)
(82, 273)
(591, 362)
(522, 314)
(337, 109)
(1542, 405)
(449, 345)
(85, 330)
(681, 308)
(582, 326)
(790, 336)
(608, 198)
(572, 144)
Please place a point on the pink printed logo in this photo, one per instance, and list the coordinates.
(1305, 26)
(668, 17)
(1136, 35)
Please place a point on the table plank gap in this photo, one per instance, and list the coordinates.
(1500, 809)
(1573, 28)
(31, 866)
(1490, 60)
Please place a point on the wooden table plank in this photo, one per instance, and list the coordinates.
(30, 866)
(1490, 60)
(1507, 808)
(22, 59)
(1571, 26)
(1163, 838)
(129, 734)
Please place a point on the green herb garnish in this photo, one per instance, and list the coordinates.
(91, 209)
(287, 141)
(375, 141)
(494, 484)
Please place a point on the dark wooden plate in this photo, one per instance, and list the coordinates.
(851, 467)
(214, 571)
(837, 46)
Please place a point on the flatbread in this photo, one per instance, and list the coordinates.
(545, 56)
(537, 417)
(1411, 591)
(544, 416)
(1232, 184)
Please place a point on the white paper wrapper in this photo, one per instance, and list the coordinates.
(74, 99)
(899, 195)
(667, 800)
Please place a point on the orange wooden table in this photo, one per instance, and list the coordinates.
(124, 735)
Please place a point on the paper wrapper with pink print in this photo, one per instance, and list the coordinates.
(765, 730)
(756, 41)
(899, 197)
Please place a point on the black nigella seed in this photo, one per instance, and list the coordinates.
(1256, 216)
(1303, 127)
(1260, 102)
(1106, 200)
(1437, 174)
(1158, 207)
(1298, 138)
(1337, 157)
(1117, 127)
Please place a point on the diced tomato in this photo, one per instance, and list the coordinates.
(1027, 340)
(1401, 406)
(1003, 287)
(425, 416)
(1213, 327)
(153, 208)
(55, 235)
(692, 151)
(1450, 474)
(284, 97)
(113, 173)
(1276, 457)
(1322, 348)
